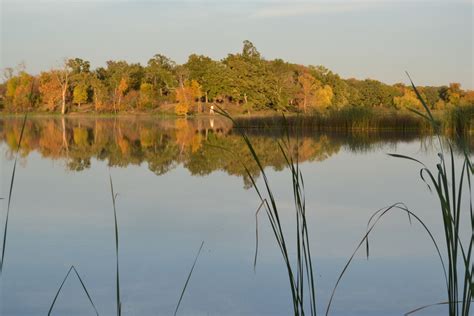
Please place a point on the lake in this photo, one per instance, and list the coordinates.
(181, 182)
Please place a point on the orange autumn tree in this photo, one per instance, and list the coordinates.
(50, 90)
(186, 95)
(120, 92)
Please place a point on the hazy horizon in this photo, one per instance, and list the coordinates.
(354, 38)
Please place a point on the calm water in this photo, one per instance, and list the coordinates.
(177, 187)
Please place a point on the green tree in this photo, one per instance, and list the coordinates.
(248, 78)
(80, 80)
(283, 86)
(210, 74)
(160, 72)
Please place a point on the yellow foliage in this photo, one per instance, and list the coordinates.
(184, 133)
(407, 100)
(186, 96)
(323, 97)
(182, 108)
(146, 94)
(80, 94)
(123, 86)
(312, 93)
(80, 136)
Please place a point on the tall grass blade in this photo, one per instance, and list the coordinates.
(188, 278)
(5, 230)
(428, 306)
(262, 204)
(380, 214)
(72, 268)
(117, 269)
(300, 274)
(449, 191)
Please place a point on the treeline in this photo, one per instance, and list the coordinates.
(244, 82)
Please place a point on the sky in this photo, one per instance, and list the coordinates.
(432, 40)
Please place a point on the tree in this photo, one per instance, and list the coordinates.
(62, 76)
(147, 95)
(248, 78)
(209, 74)
(120, 77)
(20, 91)
(160, 73)
(121, 89)
(80, 94)
(454, 93)
(408, 100)
(80, 80)
(186, 96)
(340, 88)
(308, 86)
(249, 50)
(372, 93)
(431, 94)
(283, 86)
(323, 97)
(78, 66)
(100, 91)
(50, 90)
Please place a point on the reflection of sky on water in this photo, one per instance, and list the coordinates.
(62, 217)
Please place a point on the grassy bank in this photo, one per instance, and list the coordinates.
(458, 120)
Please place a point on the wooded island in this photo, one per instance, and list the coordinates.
(243, 83)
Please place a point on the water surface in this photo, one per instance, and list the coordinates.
(180, 182)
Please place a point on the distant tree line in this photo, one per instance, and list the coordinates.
(244, 81)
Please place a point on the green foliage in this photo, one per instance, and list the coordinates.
(210, 74)
(372, 93)
(160, 73)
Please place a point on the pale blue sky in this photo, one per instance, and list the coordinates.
(381, 39)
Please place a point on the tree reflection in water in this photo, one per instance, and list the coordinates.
(165, 143)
